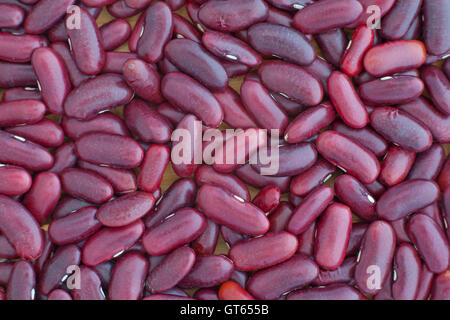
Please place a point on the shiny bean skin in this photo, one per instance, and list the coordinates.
(280, 41)
(21, 282)
(87, 185)
(43, 195)
(393, 57)
(45, 14)
(188, 95)
(171, 270)
(341, 151)
(16, 75)
(402, 129)
(305, 182)
(325, 15)
(19, 48)
(268, 198)
(29, 241)
(153, 167)
(351, 192)
(115, 60)
(86, 44)
(227, 16)
(271, 283)
(56, 268)
(343, 274)
(114, 34)
(375, 257)
(75, 227)
(15, 181)
(104, 92)
(157, 30)
(230, 290)
(309, 209)
(430, 242)
(128, 277)
(335, 292)
(346, 101)
(126, 209)
(177, 230)
(352, 60)
(75, 75)
(399, 19)
(185, 166)
(438, 87)
(406, 198)
(441, 287)
(64, 158)
(234, 69)
(263, 252)
(108, 243)
(147, 123)
(407, 268)
(46, 133)
(183, 28)
(68, 205)
(396, 165)
(436, 26)
(109, 149)
(90, 286)
(241, 216)
(206, 243)
(332, 45)
(11, 16)
(250, 176)
(191, 58)
(310, 122)
(20, 112)
(321, 69)
(230, 236)
(144, 80)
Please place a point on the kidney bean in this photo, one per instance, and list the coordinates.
(206, 243)
(19, 48)
(434, 212)
(75, 75)
(183, 28)
(21, 282)
(101, 93)
(230, 236)
(58, 32)
(126, 209)
(325, 15)
(280, 216)
(400, 229)
(321, 69)
(332, 45)
(56, 269)
(104, 271)
(161, 239)
(185, 164)
(334, 292)
(108, 243)
(232, 291)
(391, 90)
(250, 176)
(375, 257)
(441, 284)
(399, 19)
(173, 114)
(90, 286)
(305, 182)
(21, 112)
(243, 216)
(68, 205)
(396, 165)
(105, 122)
(426, 278)
(45, 14)
(87, 185)
(97, 3)
(407, 267)
(153, 167)
(438, 87)
(443, 179)
(430, 242)
(356, 236)
(401, 128)
(341, 150)
(406, 198)
(343, 274)
(446, 67)
(436, 26)
(352, 60)
(5, 272)
(280, 41)
(15, 181)
(64, 158)
(6, 249)
(59, 294)
(45, 132)
(119, 9)
(114, 34)
(16, 75)
(14, 94)
(168, 297)
(346, 100)
(291, 107)
(234, 69)
(268, 198)
(143, 79)
(12, 16)
(208, 271)
(115, 61)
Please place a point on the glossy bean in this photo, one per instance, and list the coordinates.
(206, 243)
(352, 60)
(46, 132)
(114, 34)
(16, 75)
(183, 28)
(21, 285)
(21, 112)
(144, 80)
(305, 182)
(45, 14)
(332, 45)
(75, 75)
(64, 158)
(250, 176)
(436, 26)
(153, 167)
(15, 181)
(367, 13)
(396, 165)
(438, 87)
(407, 268)
(399, 19)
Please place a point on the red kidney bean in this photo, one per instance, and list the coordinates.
(45, 14)
(271, 283)
(332, 45)
(263, 252)
(346, 100)
(399, 19)
(407, 268)
(45, 132)
(405, 198)
(430, 242)
(109, 149)
(352, 60)
(434, 212)
(436, 26)
(86, 44)
(230, 236)
(68, 205)
(310, 122)
(188, 95)
(6, 249)
(21, 112)
(441, 285)
(128, 277)
(105, 122)
(56, 268)
(305, 182)
(291, 107)
(19, 48)
(290, 5)
(21, 229)
(183, 28)
(59, 294)
(402, 129)
(114, 34)
(162, 239)
(156, 32)
(104, 272)
(280, 41)
(243, 216)
(415, 30)
(234, 69)
(306, 240)
(425, 283)
(375, 257)
(227, 16)
(98, 94)
(401, 230)
(206, 243)
(15, 181)
(64, 158)
(58, 32)
(325, 15)
(21, 94)
(75, 75)
(343, 274)
(137, 4)
(208, 271)
(153, 167)
(341, 150)
(43, 195)
(75, 227)
(268, 198)
(171, 113)
(171, 270)
(351, 192)
(90, 286)
(444, 180)
(21, 282)
(250, 176)
(438, 87)
(126, 209)
(280, 17)
(185, 166)
(396, 165)
(16, 75)
(11, 16)
(143, 79)
(321, 69)
(280, 216)
(165, 66)
(394, 57)
(108, 243)
(119, 9)
(232, 291)
(87, 185)
(309, 209)
(115, 60)
(5, 272)
(356, 236)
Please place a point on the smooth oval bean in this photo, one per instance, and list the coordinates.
(21, 282)
(15, 181)
(75, 75)
(19, 48)
(16, 75)
(46, 132)
(114, 34)
(396, 165)
(183, 28)
(407, 268)
(153, 167)
(250, 176)
(332, 45)
(428, 164)
(206, 243)
(352, 60)
(399, 19)
(438, 87)
(305, 182)
(45, 14)
(21, 112)
(267, 199)
(11, 16)
(144, 80)
(436, 26)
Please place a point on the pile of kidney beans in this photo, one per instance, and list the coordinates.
(82, 215)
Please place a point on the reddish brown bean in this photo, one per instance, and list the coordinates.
(15, 181)
(153, 167)
(114, 34)
(352, 60)
(46, 132)
(75, 75)
(441, 287)
(436, 26)
(305, 182)
(45, 14)
(144, 80)
(206, 243)
(19, 48)
(21, 112)
(396, 165)
(21, 282)
(332, 45)
(250, 176)
(183, 28)
(407, 268)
